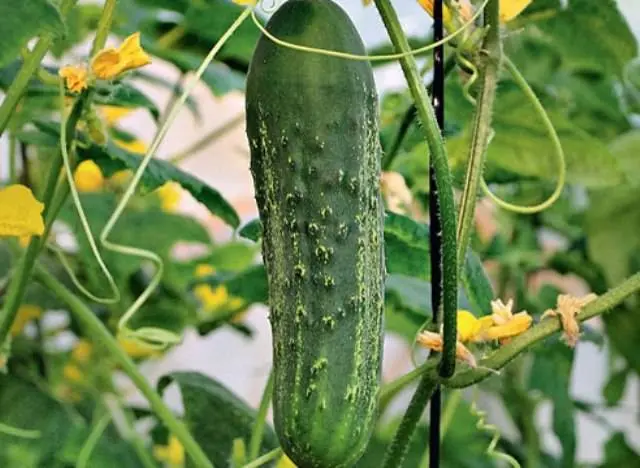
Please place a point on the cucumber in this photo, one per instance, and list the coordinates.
(312, 125)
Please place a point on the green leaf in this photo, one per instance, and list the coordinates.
(62, 432)
(406, 246)
(252, 230)
(151, 229)
(551, 375)
(20, 20)
(612, 226)
(618, 453)
(522, 146)
(623, 330)
(210, 19)
(625, 148)
(218, 77)
(606, 41)
(113, 158)
(215, 416)
(615, 386)
(124, 95)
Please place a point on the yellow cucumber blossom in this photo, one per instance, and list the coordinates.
(434, 341)
(88, 177)
(75, 77)
(463, 11)
(503, 324)
(170, 194)
(26, 313)
(20, 212)
(172, 453)
(567, 308)
(111, 62)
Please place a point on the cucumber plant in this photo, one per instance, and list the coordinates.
(344, 265)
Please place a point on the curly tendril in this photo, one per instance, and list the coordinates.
(371, 58)
(557, 147)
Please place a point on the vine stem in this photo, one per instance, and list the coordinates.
(444, 192)
(258, 427)
(481, 133)
(487, 367)
(267, 457)
(100, 334)
(397, 451)
(21, 276)
(443, 180)
(29, 67)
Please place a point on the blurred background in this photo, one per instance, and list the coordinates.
(243, 363)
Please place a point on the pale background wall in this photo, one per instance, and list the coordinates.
(243, 364)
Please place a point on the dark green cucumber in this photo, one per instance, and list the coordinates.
(312, 123)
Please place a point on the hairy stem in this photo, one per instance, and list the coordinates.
(443, 186)
(397, 451)
(258, 426)
(545, 328)
(489, 68)
(104, 26)
(30, 65)
(98, 333)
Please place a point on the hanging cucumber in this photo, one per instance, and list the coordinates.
(312, 124)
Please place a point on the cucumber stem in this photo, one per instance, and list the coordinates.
(488, 72)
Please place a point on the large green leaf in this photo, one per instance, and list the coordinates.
(217, 76)
(151, 229)
(618, 453)
(521, 145)
(210, 19)
(62, 433)
(551, 375)
(20, 20)
(623, 329)
(606, 42)
(612, 226)
(626, 148)
(216, 416)
(113, 158)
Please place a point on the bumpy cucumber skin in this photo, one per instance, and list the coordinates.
(312, 124)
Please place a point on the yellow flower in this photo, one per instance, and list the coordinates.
(434, 341)
(88, 177)
(75, 77)
(134, 146)
(567, 308)
(509, 9)
(503, 322)
(172, 453)
(284, 461)
(72, 373)
(112, 114)
(20, 212)
(82, 351)
(136, 349)
(109, 63)
(26, 313)
(203, 270)
(212, 299)
(170, 194)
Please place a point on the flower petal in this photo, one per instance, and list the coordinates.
(20, 212)
(468, 325)
(567, 309)
(107, 64)
(132, 54)
(75, 77)
(509, 9)
(430, 340)
(88, 177)
(518, 324)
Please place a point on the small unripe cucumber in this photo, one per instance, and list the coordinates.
(312, 124)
